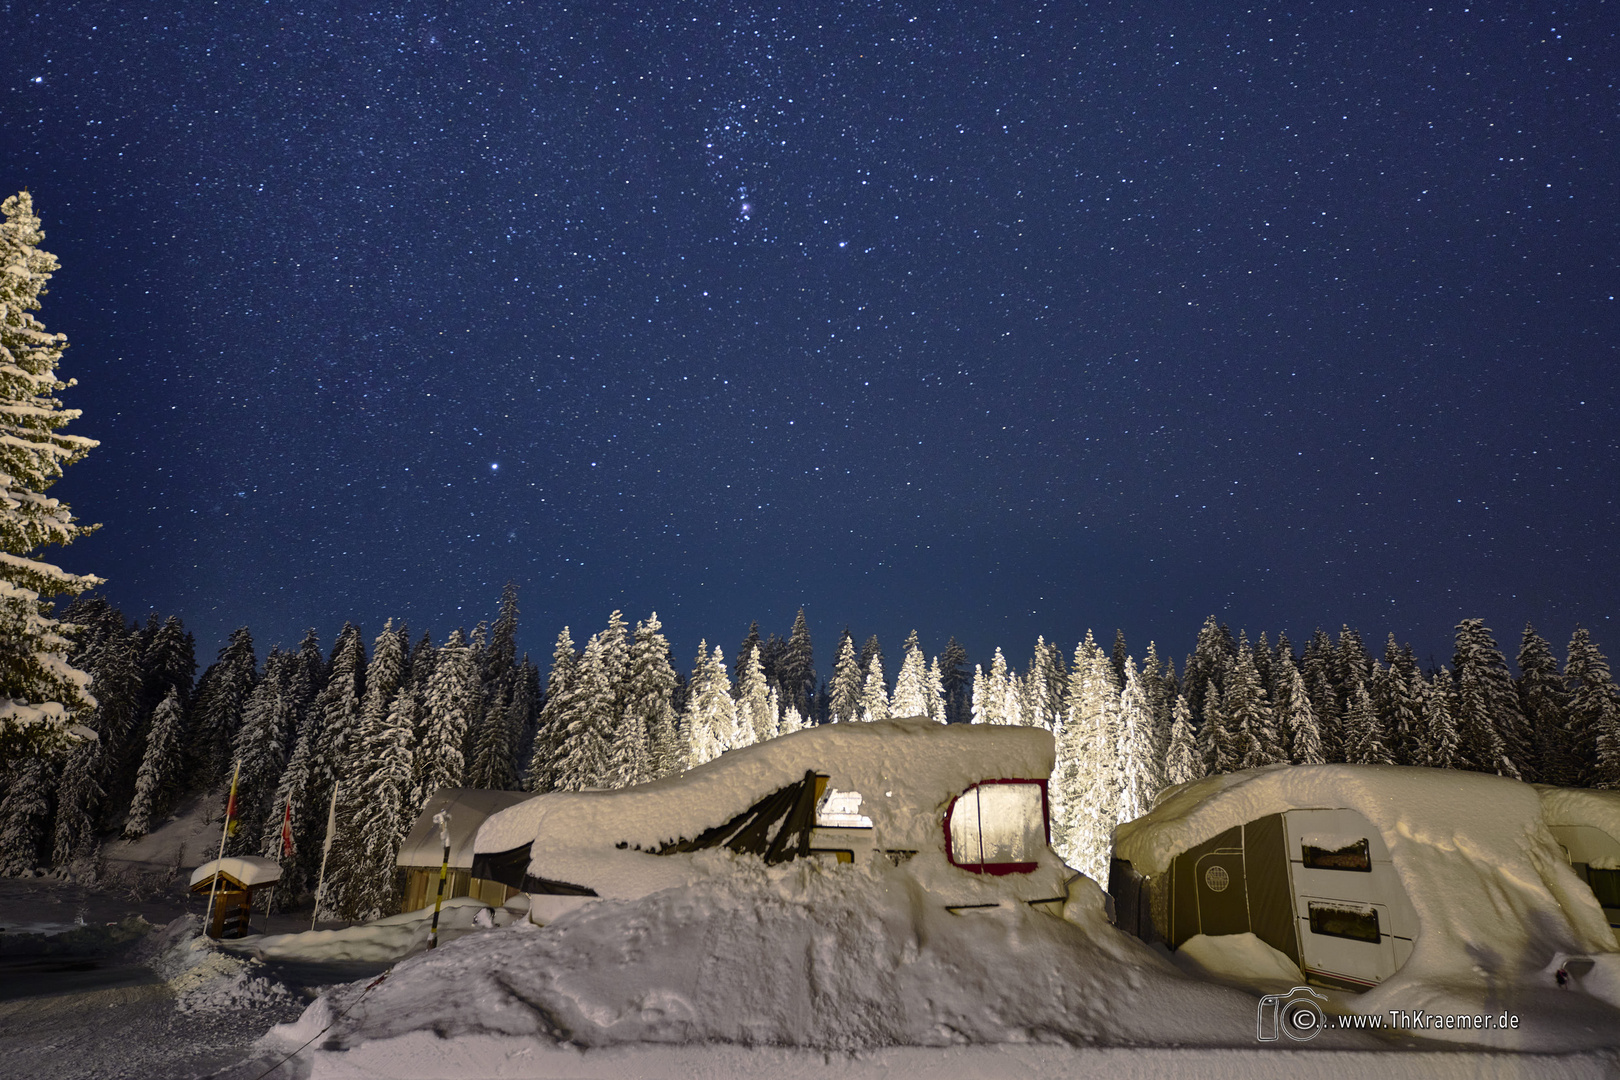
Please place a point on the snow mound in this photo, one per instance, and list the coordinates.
(1496, 902)
(386, 939)
(1240, 959)
(830, 957)
(206, 979)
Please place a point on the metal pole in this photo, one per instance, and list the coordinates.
(442, 820)
(224, 830)
(326, 851)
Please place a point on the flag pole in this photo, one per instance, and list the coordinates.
(224, 831)
(326, 851)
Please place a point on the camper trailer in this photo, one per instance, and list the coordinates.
(1315, 884)
(422, 853)
(1586, 824)
(964, 806)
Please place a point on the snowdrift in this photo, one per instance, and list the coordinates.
(1497, 905)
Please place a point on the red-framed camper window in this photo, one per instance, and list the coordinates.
(998, 827)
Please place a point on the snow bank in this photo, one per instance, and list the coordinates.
(205, 978)
(1240, 959)
(1497, 905)
(906, 771)
(1582, 806)
(381, 941)
(839, 958)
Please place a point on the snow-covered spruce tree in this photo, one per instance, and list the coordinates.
(651, 696)
(216, 715)
(1399, 703)
(168, 660)
(1159, 706)
(25, 811)
(1545, 705)
(1216, 741)
(1087, 774)
(377, 818)
(934, 700)
(874, 694)
(40, 692)
(909, 689)
(630, 759)
(78, 800)
(1317, 667)
(159, 778)
(1212, 657)
(1439, 744)
(990, 692)
(756, 721)
(956, 683)
(548, 738)
(1594, 711)
(1370, 746)
(844, 700)
(1296, 719)
(1487, 710)
(1249, 715)
(744, 651)
(796, 670)
(710, 720)
(335, 717)
(1182, 763)
(1140, 773)
(584, 753)
(439, 762)
(261, 752)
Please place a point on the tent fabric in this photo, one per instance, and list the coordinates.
(248, 871)
(469, 809)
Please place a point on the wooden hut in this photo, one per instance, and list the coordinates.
(423, 850)
(234, 882)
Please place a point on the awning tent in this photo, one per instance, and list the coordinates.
(423, 851)
(1586, 824)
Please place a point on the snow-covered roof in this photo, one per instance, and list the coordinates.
(1494, 897)
(246, 870)
(469, 808)
(1581, 806)
(905, 770)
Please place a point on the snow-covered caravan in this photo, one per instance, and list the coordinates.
(423, 850)
(964, 805)
(1351, 870)
(1586, 824)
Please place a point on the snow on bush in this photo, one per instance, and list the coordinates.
(206, 979)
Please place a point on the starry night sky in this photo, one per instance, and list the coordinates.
(984, 319)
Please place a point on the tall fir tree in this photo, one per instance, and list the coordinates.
(844, 699)
(260, 750)
(1296, 719)
(335, 716)
(1317, 668)
(1544, 703)
(709, 723)
(158, 781)
(584, 753)
(1249, 715)
(439, 761)
(796, 670)
(1440, 745)
(756, 720)
(956, 683)
(934, 702)
(874, 693)
(1218, 743)
(41, 694)
(652, 694)
(1487, 709)
(548, 738)
(222, 694)
(910, 689)
(25, 811)
(1594, 711)
(1182, 763)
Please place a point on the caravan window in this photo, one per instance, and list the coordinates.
(1349, 857)
(1606, 884)
(997, 827)
(1358, 923)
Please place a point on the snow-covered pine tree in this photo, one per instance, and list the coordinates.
(1039, 694)
(756, 721)
(1362, 720)
(380, 819)
(651, 696)
(710, 719)
(260, 749)
(1159, 706)
(585, 751)
(870, 651)
(1249, 715)
(438, 762)
(548, 738)
(1182, 763)
(1263, 657)
(980, 697)
(158, 781)
(630, 762)
(41, 694)
(168, 660)
(934, 693)
(1119, 656)
(744, 651)
(874, 694)
(216, 716)
(1317, 668)
(1594, 711)
(78, 801)
(1397, 703)
(791, 720)
(909, 690)
(1217, 743)
(1140, 774)
(796, 671)
(1087, 773)
(1296, 719)
(25, 812)
(956, 683)
(844, 700)
(1544, 703)
(1212, 657)
(1440, 745)
(1487, 709)
(993, 703)
(335, 716)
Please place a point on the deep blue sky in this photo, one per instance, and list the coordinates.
(987, 320)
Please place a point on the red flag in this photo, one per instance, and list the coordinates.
(286, 831)
(230, 805)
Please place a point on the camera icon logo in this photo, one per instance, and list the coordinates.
(1297, 1014)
